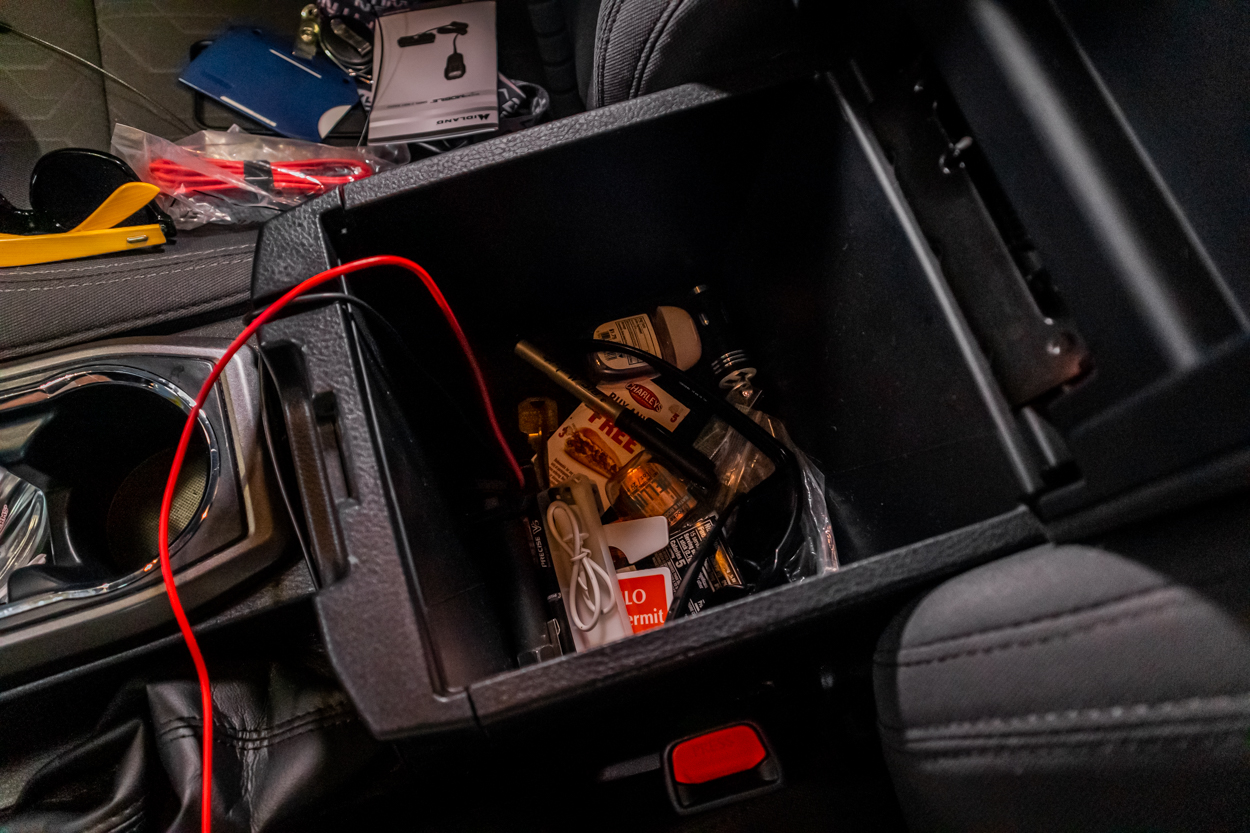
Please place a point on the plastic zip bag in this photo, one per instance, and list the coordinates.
(740, 467)
(818, 554)
(234, 178)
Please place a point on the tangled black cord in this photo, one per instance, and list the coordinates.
(755, 434)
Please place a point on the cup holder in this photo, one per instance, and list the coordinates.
(130, 527)
(99, 443)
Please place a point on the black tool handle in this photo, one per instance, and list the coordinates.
(685, 462)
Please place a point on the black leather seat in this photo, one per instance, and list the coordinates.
(1079, 688)
(646, 45)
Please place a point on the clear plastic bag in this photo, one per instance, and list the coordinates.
(818, 554)
(234, 178)
(740, 467)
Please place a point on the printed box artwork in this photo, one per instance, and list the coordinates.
(591, 444)
(436, 74)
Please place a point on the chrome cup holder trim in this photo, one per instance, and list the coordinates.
(72, 379)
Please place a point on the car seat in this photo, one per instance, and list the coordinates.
(1079, 688)
(604, 53)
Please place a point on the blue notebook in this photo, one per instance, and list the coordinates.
(255, 73)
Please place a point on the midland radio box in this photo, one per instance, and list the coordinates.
(435, 71)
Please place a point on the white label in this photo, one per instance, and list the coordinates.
(648, 399)
(636, 331)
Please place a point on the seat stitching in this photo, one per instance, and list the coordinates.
(127, 278)
(1104, 746)
(255, 735)
(259, 742)
(604, 35)
(1046, 618)
(1040, 640)
(1078, 736)
(613, 12)
(181, 732)
(171, 256)
(1118, 711)
(334, 708)
(8, 351)
(657, 32)
(1209, 581)
(276, 729)
(646, 47)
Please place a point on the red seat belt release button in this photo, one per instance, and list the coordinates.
(717, 754)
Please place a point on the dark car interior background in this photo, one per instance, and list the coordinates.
(990, 261)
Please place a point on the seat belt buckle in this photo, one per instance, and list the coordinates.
(720, 766)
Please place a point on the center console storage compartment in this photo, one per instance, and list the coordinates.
(781, 201)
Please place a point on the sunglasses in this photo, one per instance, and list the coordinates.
(67, 186)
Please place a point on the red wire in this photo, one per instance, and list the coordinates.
(206, 696)
(298, 176)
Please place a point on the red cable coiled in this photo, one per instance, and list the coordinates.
(299, 177)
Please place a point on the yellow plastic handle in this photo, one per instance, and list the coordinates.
(25, 249)
(119, 205)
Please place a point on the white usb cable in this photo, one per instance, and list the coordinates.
(587, 574)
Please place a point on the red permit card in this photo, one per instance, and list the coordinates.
(648, 596)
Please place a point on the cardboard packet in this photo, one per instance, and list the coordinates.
(718, 573)
(591, 444)
(435, 71)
